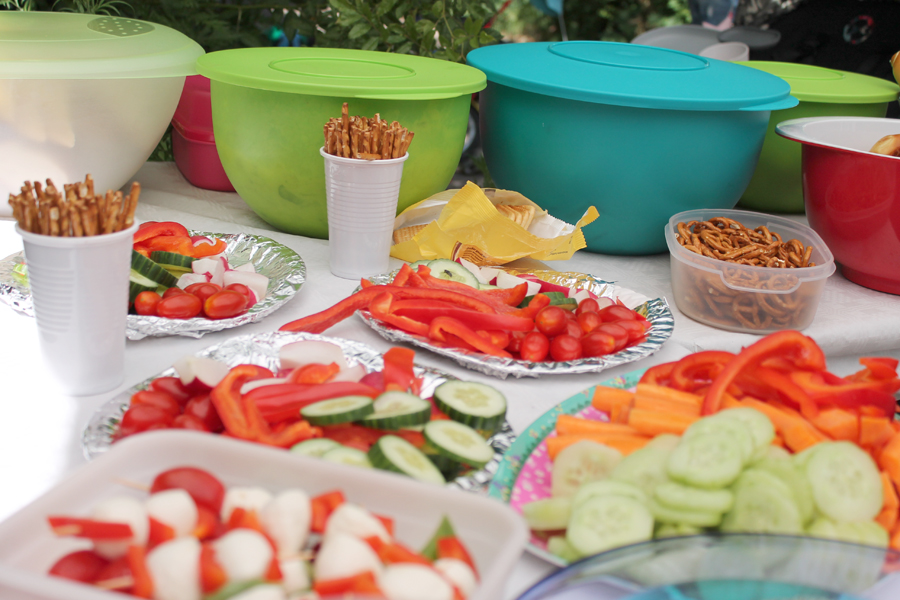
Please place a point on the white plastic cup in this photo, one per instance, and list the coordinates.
(730, 51)
(362, 203)
(79, 288)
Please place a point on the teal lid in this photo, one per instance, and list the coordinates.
(631, 75)
(818, 84)
(342, 72)
(58, 45)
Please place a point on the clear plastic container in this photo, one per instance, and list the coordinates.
(748, 298)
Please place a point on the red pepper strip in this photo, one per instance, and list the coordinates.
(365, 283)
(395, 552)
(466, 290)
(881, 367)
(659, 374)
(361, 583)
(159, 532)
(399, 370)
(698, 368)
(538, 302)
(313, 373)
(387, 522)
(226, 397)
(451, 547)
(494, 336)
(319, 322)
(137, 562)
(825, 388)
(321, 508)
(882, 370)
(142, 249)
(282, 401)
(790, 344)
(203, 250)
(402, 275)
(152, 230)
(90, 528)
(212, 575)
(398, 305)
(450, 325)
(475, 320)
(208, 524)
(787, 388)
(380, 308)
(171, 243)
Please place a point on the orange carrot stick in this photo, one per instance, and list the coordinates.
(665, 406)
(653, 423)
(838, 423)
(660, 392)
(887, 518)
(874, 432)
(606, 398)
(890, 458)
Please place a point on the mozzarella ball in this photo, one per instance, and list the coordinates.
(244, 554)
(458, 573)
(174, 567)
(294, 575)
(174, 508)
(344, 555)
(410, 581)
(357, 521)
(121, 509)
(248, 498)
(286, 519)
(261, 592)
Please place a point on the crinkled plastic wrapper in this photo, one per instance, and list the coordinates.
(284, 268)
(262, 349)
(466, 224)
(655, 310)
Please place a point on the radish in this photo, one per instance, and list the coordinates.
(458, 573)
(506, 280)
(174, 508)
(257, 283)
(247, 267)
(298, 354)
(201, 240)
(475, 270)
(121, 509)
(354, 374)
(248, 498)
(410, 581)
(603, 302)
(257, 383)
(174, 568)
(200, 373)
(191, 278)
(213, 266)
(344, 555)
(357, 521)
(581, 295)
(286, 519)
(244, 554)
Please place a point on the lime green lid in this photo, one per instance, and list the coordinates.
(818, 84)
(57, 45)
(343, 73)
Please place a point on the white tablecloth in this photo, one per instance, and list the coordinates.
(40, 428)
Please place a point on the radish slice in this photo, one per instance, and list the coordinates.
(200, 240)
(603, 302)
(298, 354)
(121, 509)
(286, 519)
(244, 554)
(191, 278)
(200, 373)
(256, 383)
(213, 266)
(354, 374)
(258, 284)
(174, 508)
(174, 568)
(357, 521)
(474, 269)
(344, 555)
(410, 581)
(458, 573)
(506, 280)
(490, 273)
(248, 267)
(248, 498)
(581, 295)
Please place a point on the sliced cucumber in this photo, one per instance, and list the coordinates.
(345, 409)
(605, 522)
(444, 268)
(708, 459)
(392, 453)
(548, 514)
(415, 266)
(762, 504)
(580, 463)
(734, 428)
(557, 545)
(795, 479)
(667, 530)
(778, 453)
(348, 456)
(398, 410)
(450, 468)
(666, 441)
(607, 487)
(315, 447)
(676, 516)
(137, 283)
(172, 260)
(644, 468)
(458, 442)
(759, 425)
(556, 299)
(477, 405)
(151, 270)
(868, 533)
(675, 495)
(846, 484)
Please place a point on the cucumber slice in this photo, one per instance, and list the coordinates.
(676, 516)
(732, 427)
(449, 467)
(759, 425)
(683, 497)
(315, 447)
(868, 533)
(172, 260)
(556, 299)
(415, 266)
(580, 463)
(458, 442)
(398, 410)
(795, 479)
(348, 456)
(392, 453)
(845, 482)
(605, 522)
(762, 504)
(709, 459)
(667, 530)
(444, 268)
(665, 441)
(607, 487)
(548, 514)
(778, 453)
(557, 545)
(345, 409)
(644, 468)
(477, 405)
(137, 283)
(151, 270)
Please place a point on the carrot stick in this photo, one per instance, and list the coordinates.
(660, 392)
(605, 398)
(624, 443)
(874, 432)
(567, 424)
(778, 441)
(838, 423)
(729, 401)
(890, 458)
(797, 432)
(652, 423)
(887, 518)
(664, 406)
(619, 413)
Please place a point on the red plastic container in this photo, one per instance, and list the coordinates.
(193, 142)
(852, 196)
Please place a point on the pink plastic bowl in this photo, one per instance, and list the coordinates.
(852, 196)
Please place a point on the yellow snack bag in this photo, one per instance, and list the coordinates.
(486, 227)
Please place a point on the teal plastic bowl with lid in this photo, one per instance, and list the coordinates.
(777, 184)
(639, 132)
(269, 106)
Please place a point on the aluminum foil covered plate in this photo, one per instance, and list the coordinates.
(284, 268)
(262, 349)
(655, 310)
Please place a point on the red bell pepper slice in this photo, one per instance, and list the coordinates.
(538, 302)
(159, 532)
(155, 229)
(452, 547)
(362, 438)
(399, 371)
(787, 388)
(212, 575)
(90, 528)
(402, 275)
(496, 301)
(395, 552)
(826, 388)
(454, 327)
(698, 369)
(361, 583)
(474, 320)
(177, 244)
(208, 524)
(321, 508)
(137, 562)
(203, 250)
(789, 344)
(283, 401)
(380, 308)
(496, 337)
(314, 373)
(658, 374)
(387, 522)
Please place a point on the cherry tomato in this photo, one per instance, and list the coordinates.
(617, 312)
(570, 314)
(173, 291)
(145, 303)
(620, 334)
(573, 329)
(535, 347)
(565, 347)
(172, 386)
(180, 306)
(515, 341)
(82, 565)
(203, 290)
(202, 408)
(244, 290)
(161, 400)
(636, 330)
(225, 304)
(551, 321)
(587, 305)
(597, 343)
(203, 487)
(142, 417)
(589, 321)
(116, 571)
(188, 422)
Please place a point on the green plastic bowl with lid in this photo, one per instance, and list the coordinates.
(269, 106)
(776, 185)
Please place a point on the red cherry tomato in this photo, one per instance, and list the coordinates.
(180, 306)
(570, 314)
(173, 291)
(515, 341)
(597, 343)
(161, 400)
(565, 347)
(535, 347)
(145, 303)
(620, 334)
(551, 321)
(243, 290)
(587, 305)
(636, 330)
(202, 408)
(117, 570)
(143, 416)
(82, 565)
(203, 290)
(225, 304)
(172, 386)
(203, 487)
(573, 329)
(589, 321)
(188, 422)
(617, 312)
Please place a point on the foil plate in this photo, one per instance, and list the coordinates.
(656, 310)
(262, 349)
(284, 268)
